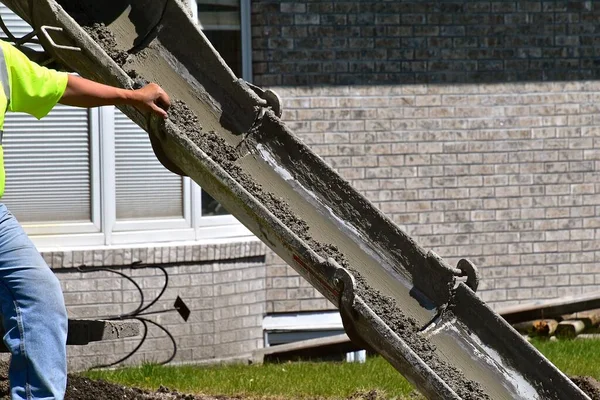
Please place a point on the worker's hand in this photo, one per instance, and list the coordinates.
(81, 92)
(152, 98)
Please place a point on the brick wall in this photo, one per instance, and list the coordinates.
(223, 285)
(384, 42)
(413, 103)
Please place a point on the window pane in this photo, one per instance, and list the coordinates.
(15, 24)
(229, 46)
(144, 188)
(48, 166)
(211, 207)
(219, 14)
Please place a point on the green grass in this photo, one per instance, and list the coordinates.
(573, 357)
(290, 380)
(325, 379)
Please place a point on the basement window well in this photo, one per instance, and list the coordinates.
(309, 336)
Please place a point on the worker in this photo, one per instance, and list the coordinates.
(32, 305)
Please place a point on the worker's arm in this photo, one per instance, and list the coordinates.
(81, 92)
(35, 89)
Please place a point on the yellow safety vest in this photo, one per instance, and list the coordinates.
(26, 87)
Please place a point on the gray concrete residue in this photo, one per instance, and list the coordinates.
(226, 155)
(121, 329)
(407, 328)
(396, 252)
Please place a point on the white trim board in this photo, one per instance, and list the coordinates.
(326, 320)
(45, 245)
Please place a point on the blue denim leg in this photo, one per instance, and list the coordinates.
(33, 315)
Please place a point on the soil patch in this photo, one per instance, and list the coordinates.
(589, 385)
(79, 388)
(225, 155)
(367, 395)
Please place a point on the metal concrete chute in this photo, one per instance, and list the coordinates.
(394, 296)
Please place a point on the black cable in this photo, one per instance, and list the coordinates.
(136, 314)
(168, 334)
(164, 271)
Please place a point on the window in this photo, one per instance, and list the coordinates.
(90, 177)
(48, 171)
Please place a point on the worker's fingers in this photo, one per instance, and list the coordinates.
(158, 110)
(160, 100)
(163, 100)
(154, 98)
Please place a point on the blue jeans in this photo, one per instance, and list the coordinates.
(33, 315)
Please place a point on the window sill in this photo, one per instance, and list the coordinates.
(154, 253)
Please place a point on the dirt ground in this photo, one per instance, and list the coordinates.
(79, 388)
(85, 389)
(589, 385)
